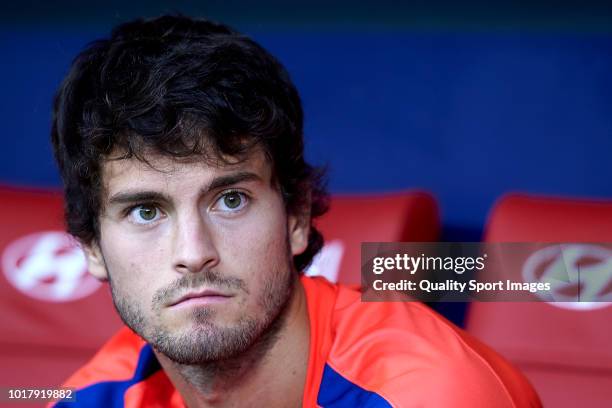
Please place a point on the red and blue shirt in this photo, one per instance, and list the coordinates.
(383, 354)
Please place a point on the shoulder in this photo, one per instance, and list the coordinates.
(115, 361)
(410, 356)
(122, 371)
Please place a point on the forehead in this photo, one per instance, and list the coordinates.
(161, 172)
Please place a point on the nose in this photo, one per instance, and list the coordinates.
(194, 247)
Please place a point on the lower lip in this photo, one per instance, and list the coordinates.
(202, 301)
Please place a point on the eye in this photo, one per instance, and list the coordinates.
(144, 214)
(232, 201)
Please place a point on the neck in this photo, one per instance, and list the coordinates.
(271, 372)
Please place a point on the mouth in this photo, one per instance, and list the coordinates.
(204, 297)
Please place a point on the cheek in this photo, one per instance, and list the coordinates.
(256, 247)
(133, 264)
(262, 236)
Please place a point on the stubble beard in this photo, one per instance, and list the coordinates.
(205, 342)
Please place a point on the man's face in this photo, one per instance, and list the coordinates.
(199, 257)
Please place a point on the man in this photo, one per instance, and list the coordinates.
(180, 145)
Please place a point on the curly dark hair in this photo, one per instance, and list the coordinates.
(180, 87)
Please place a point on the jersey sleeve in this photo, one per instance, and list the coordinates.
(405, 355)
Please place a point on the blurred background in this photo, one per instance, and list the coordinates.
(468, 101)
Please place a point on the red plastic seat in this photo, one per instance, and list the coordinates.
(351, 220)
(563, 348)
(54, 314)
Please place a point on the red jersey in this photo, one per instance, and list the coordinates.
(384, 354)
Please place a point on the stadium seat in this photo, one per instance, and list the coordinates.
(563, 348)
(54, 314)
(410, 216)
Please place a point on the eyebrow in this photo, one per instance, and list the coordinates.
(231, 179)
(217, 183)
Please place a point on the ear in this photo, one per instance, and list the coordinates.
(95, 261)
(299, 229)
